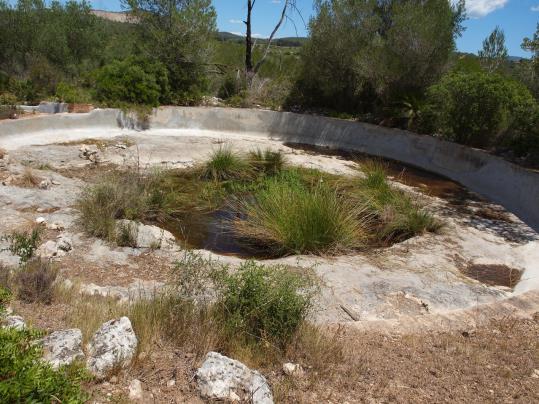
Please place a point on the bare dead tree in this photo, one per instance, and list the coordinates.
(250, 69)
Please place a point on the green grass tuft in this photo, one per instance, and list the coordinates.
(291, 217)
(224, 164)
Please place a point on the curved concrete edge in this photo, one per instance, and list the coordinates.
(523, 306)
(514, 187)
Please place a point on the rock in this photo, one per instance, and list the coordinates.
(135, 291)
(222, 378)
(54, 182)
(135, 390)
(41, 220)
(59, 248)
(16, 322)
(56, 226)
(144, 236)
(90, 152)
(293, 369)
(171, 383)
(45, 184)
(535, 374)
(62, 347)
(113, 345)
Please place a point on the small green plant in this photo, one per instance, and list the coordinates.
(224, 165)
(265, 303)
(126, 234)
(24, 244)
(5, 298)
(291, 217)
(35, 281)
(25, 378)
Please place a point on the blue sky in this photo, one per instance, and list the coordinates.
(518, 18)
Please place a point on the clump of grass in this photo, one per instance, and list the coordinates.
(267, 161)
(122, 195)
(28, 179)
(291, 217)
(224, 164)
(35, 281)
(399, 216)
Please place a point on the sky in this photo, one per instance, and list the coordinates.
(518, 18)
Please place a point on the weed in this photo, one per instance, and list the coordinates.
(126, 234)
(224, 165)
(35, 281)
(24, 244)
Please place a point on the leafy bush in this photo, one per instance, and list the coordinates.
(267, 303)
(290, 217)
(35, 281)
(8, 99)
(72, 94)
(5, 298)
(24, 244)
(132, 81)
(476, 108)
(24, 378)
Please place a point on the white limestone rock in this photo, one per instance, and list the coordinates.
(58, 248)
(135, 390)
(63, 347)
(145, 236)
(16, 322)
(113, 345)
(222, 378)
(293, 369)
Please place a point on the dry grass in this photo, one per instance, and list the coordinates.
(3, 153)
(35, 281)
(28, 179)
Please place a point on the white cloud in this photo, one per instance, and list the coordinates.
(535, 8)
(235, 21)
(480, 8)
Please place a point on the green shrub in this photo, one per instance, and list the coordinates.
(35, 281)
(72, 94)
(24, 244)
(476, 108)
(5, 298)
(224, 165)
(290, 217)
(8, 99)
(132, 81)
(252, 304)
(24, 378)
(267, 303)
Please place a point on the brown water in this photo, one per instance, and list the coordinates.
(494, 275)
(427, 182)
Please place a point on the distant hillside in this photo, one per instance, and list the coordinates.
(288, 41)
(116, 16)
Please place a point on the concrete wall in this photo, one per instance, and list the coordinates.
(516, 188)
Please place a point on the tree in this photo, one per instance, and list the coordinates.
(251, 69)
(178, 33)
(363, 55)
(494, 52)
